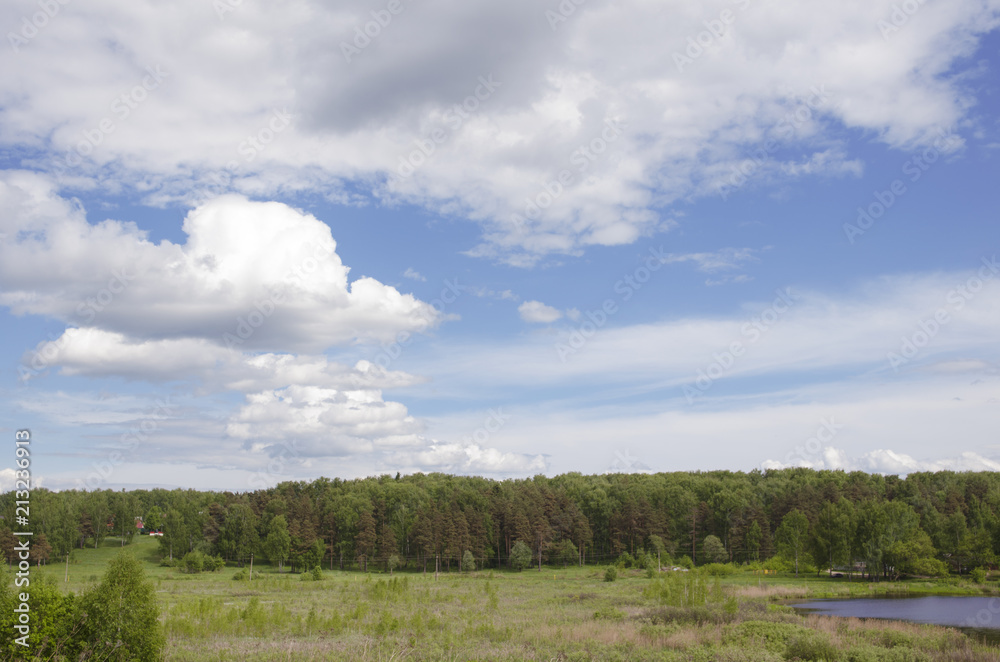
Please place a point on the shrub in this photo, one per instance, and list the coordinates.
(520, 555)
(866, 653)
(317, 574)
(468, 562)
(123, 614)
(611, 574)
(929, 567)
(193, 562)
(779, 564)
(686, 562)
(625, 561)
(719, 569)
(978, 575)
(811, 646)
(760, 634)
(609, 614)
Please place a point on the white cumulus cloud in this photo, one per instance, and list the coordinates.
(538, 313)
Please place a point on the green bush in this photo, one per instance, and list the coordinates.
(123, 614)
(813, 646)
(773, 637)
(520, 555)
(609, 614)
(778, 564)
(929, 567)
(193, 562)
(625, 561)
(468, 562)
(684, 589)
(865, 653)
(743, 655)
(317, 574)
(611, 574)
(978, 575)
(719, 569)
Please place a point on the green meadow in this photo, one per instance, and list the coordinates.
(553, 614)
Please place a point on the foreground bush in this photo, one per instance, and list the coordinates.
(122, 615)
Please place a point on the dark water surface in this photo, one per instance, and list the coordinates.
(979, 616)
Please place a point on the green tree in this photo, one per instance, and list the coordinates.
(97, 507)
(468, 562)
(714, 550)
(365, 540)
(656, 542)
(832, 535)
(123, 509)
(752, 540)
(154, 519)
(122, 621)
(520, 555)
(278, 544)
(239, 538)
(792, 536)
(174, 532)
(565, 552)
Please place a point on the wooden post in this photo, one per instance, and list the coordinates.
(66, 581)
(251, 567)
(437, 566)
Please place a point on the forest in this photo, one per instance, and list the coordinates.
(927, 524)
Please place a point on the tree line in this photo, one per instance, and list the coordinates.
(925, 524)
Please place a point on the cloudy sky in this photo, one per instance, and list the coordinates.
(245, 242)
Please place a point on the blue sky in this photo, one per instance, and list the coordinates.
(240, 244)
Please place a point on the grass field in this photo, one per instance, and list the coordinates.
(556, 614)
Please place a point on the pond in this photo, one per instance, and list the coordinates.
(979, 616)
